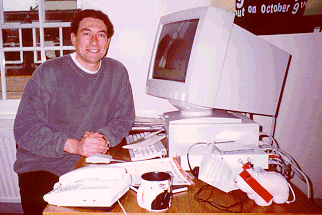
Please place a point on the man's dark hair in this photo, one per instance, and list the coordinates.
(90, 13)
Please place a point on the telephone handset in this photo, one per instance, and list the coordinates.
(92, 172)
(96, 185)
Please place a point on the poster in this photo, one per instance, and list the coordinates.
(269, 16)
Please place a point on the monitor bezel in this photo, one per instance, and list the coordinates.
(197, 85)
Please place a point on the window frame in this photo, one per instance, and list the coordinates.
(9, 106)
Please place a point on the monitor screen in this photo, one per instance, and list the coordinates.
(174, 49)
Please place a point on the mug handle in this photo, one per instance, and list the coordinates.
(139, 196)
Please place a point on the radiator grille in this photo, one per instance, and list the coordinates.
(9, 189)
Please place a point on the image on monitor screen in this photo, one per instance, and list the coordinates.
(174, 49)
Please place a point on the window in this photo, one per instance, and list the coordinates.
(31, 32)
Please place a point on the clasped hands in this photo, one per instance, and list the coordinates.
(94, 143)
(91, 143)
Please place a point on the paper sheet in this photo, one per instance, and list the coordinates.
(217, 172)
(169, 165)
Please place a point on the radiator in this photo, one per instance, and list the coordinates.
(9, 189)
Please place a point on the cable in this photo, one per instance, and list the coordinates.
(285, 170)
(191, 170)
(216, 205)
(288, 165)
(309, 195)
(188, 155)
(288, 161)
(273, 126)
(273, 143)
(218, 150)
(124, 211)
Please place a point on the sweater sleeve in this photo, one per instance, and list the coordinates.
(30, 128)
(123, 113)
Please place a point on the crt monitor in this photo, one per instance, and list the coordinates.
(202, 61)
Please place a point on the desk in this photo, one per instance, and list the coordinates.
(185, 202)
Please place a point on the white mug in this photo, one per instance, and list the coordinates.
(155, 192)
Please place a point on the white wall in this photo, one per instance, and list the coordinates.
(135, 25)
(298, 128)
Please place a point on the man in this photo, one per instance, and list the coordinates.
(76, 105)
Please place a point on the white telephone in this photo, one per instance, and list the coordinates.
(96, 185)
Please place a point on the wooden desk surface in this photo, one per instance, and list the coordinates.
(185, 202)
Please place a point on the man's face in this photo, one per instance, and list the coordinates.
(91, 43)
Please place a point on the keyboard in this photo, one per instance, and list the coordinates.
(157, 149)
(144, 140)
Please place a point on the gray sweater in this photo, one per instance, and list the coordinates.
(62, 101)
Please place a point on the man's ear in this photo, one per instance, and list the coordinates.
(109, 42)
(73, 39)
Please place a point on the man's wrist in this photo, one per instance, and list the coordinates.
(71, 146)
(106, 140)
